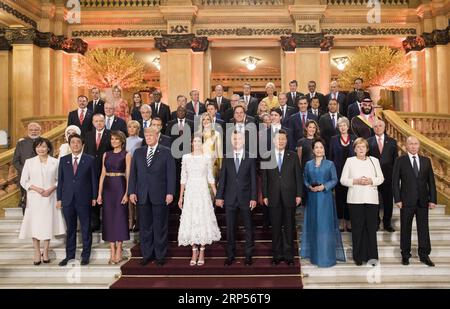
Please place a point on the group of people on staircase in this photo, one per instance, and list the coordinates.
(119, 172)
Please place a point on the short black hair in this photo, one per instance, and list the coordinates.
(239, 106)
(318, 140)
(276, 110)
(312, 82)
(41, 140)
(358, 78)
(213, 104)
(281, 131)
(293, 82)
(75, 135)
(83, 96)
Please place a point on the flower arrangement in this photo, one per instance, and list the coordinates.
(379, 67)
(108, 68)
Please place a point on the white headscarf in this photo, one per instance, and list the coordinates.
(71, 128)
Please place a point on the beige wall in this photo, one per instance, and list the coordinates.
(5, 91)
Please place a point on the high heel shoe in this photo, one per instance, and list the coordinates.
(194, 258)
(202, 261)
(45, 261)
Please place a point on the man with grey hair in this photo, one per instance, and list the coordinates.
(384, 148)
(195, 106)
(146, 113)
(229, 113)
(23, 151)
(251, 102)
(335, 94)
(112, 122)
(414, 192)
(222, 103)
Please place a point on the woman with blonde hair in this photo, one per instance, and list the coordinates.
(212, 142)
(64, 149)
(120, 105)
(271, 100)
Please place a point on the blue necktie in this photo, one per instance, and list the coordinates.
(237, 163)
(280, 162)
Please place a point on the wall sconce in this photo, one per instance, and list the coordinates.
(251, 62)
(340, 62)
(157, 63)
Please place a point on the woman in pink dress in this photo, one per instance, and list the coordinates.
(121, 106)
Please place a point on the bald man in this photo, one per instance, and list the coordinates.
(414, 193)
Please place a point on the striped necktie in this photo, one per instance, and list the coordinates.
(150, 156)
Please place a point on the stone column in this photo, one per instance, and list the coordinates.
(184, 66)
(443, 78)
(288, 69)
(416, 92)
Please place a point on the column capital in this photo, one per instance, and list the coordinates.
(182, 41)
(301, 40)
(4, 44)
(427, 40)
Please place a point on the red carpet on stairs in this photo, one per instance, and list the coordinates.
(178, 274)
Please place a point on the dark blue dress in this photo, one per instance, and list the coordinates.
(321, 239)
(115, 214)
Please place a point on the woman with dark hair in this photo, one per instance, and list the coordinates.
(42, 220)
(304, 148)
(321, 239)
(136, 110)
(112, 193)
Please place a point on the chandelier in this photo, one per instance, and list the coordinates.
(340, 62)
(251, 62)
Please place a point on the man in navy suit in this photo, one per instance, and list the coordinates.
(160, 109)
(163, 140)
(286, 110)
(328, 124)
(222, 103)
(81, 117)
(237, 190)
(114, 123)
(293, 95)
(195, 106)
(352, 96)
(335, 94)
(298, 120)
(76, 193)
(97, 105)
(152, 187)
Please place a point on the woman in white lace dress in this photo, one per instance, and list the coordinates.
(198, 223)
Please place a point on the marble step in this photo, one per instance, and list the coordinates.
(12, 238)
(439, 210)
(73, 271)
(55, 283)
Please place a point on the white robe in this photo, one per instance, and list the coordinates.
(42, 220)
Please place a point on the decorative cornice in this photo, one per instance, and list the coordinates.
(119, 33)
(10, 10)
(180, 41)
(301, 40)
(370, 31)
(244, 31)
(4, 44)
(43, 39)
(427, 40)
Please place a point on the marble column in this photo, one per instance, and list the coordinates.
(288, 69)
(442, 78)
(307, 67)
(417, 102)
(5, 91)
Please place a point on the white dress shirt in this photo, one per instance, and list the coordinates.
(412, 160)
(239, 153)
(111, 121)
(276, 127)
(84, 112)
(277, 154)
(355, 168)
(78, 156)
(154, 149)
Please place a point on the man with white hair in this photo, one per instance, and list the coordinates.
(24, 150)
(146, 113)
(335, 94)
(195, 106)
(384, 148)
(222, 103)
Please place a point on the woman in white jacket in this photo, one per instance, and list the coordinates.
(362, 175)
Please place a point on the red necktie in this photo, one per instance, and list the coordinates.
(99, 138)
(380, 145)
(75, 165)
(303, 120)
(81, 116)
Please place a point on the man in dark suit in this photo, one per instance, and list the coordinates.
(237, 191)
(160, 109)
(243, 124)
(282, 191)
(195, 106)
(315, 108)
(81, 117)
(218, 123)
(163, 140)
(286, 110)
(96, 106)
(354, 109)
(339, 97)
(152, 187)
(24, 151)
(293, 95)
(222, 103)
(251, 102)
(76, 194)
(146, 113)
(113, 123)
(229, 113)
(177, 126)
(267, 135)
(352, 96)
(384, 148)
(328, 124)
(298, 120)
(181, 101)
(314, 94)
(414, 191)
(98, 141)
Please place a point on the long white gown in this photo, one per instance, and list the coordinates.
(198, 223)
(42, 220)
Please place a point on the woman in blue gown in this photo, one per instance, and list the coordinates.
(321, 239)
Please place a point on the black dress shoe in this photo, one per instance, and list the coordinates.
(289, 262)
(405, 261)
(358, 263)
(248, 261)
(389, 229)
(160, 262)
(84, 262)
(145, 261)
(427, 261)
(275, 262)
(228, 261)
(37, 263)
(63, 262)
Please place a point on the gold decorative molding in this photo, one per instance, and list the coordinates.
(244, 31)
(16, 13)
(181, 41)
(119, 33)
(366, 31)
